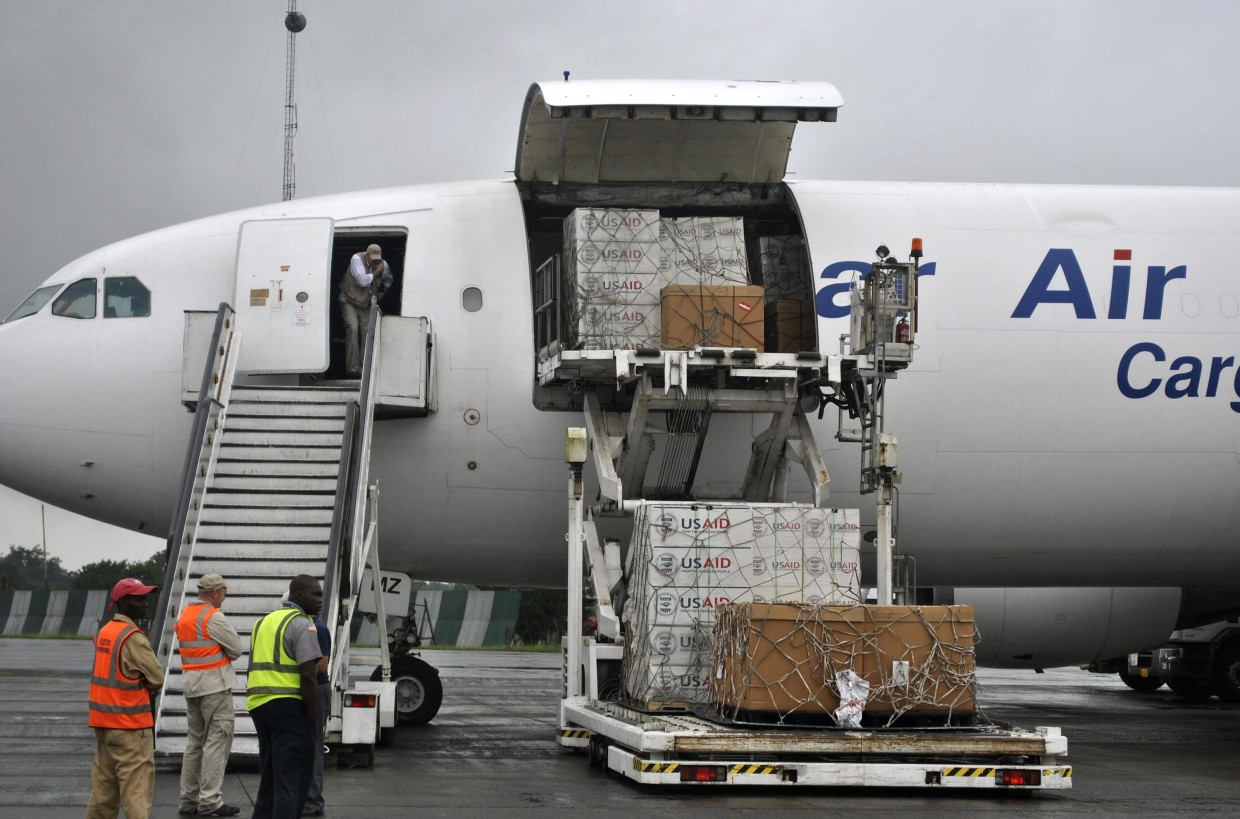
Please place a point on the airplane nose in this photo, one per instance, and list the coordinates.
(75, 420)
(24, 374)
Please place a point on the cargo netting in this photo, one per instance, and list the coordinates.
(791, 663)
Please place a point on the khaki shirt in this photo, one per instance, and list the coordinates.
(137, 658)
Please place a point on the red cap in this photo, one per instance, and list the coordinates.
(130, 587)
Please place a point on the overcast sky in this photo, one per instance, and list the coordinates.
(122, 117)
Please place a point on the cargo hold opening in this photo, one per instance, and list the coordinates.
(773, 257)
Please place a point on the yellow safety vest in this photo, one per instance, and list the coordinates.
(273, 673)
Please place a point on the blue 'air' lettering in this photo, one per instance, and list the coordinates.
(1077, 291)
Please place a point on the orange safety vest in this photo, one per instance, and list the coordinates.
(198, 651)
(117, 701)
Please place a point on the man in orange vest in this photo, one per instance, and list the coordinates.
(208, 645)
(125, 676)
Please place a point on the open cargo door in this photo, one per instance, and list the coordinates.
(282, 297)
(660, 131)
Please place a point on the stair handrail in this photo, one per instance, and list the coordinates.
(217, 376)
(340, 511)
(351, 527)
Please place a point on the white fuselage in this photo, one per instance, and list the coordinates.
(1068, 419)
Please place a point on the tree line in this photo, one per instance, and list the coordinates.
(28, 569)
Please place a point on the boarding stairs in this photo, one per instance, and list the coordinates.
(276, 485)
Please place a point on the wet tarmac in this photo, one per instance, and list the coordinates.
(491, 751)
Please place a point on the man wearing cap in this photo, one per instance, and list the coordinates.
(369, 277)
(282, 698)
(126, 674)
(208, 645)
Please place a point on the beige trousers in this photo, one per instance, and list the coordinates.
(210, 739)
(123, 774)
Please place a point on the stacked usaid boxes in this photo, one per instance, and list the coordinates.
(705, 250)
(686, 560)
(618, 263)
(614, 268)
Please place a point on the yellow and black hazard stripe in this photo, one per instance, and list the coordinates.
(1065, 772)
(737, 769)
(972, 773)
(747, 768)
(574, 733)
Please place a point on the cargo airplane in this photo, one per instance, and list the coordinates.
(1067, 427)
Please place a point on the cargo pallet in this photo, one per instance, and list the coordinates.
(689, 747)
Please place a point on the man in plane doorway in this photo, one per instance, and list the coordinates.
(369, 277)
(209, 644)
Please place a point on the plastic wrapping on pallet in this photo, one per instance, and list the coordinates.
(705, 250)
(782, 662)
(687, 560)
(783, 267)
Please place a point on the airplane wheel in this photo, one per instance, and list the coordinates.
(1143, 685)
(1227, 675)
(1189, 689)
(419, 692)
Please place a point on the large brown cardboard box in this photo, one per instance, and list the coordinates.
(789, 326)
(782, 658)
(712, 316)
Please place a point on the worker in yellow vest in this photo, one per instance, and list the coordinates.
(208, 644)
(282, 698)
(125, 676)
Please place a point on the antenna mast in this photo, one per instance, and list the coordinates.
(293, 22)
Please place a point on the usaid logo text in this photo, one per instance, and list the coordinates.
(693, 525)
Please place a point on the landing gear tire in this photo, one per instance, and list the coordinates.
(1143, 685)
(1189, 689)
(1226, 683)
(419, 692)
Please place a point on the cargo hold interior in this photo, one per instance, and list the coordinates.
(767, 212)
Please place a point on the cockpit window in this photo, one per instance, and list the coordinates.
(35, 303)
(125, 297)
(78, 300)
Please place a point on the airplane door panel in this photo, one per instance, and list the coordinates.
(283, 295)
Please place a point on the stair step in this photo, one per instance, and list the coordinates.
(271, 469)
(273, 534)
(292, 395)
(285, 437)
(241, 423)
(276, 483)
(298, 516)
(268, 500)
(249, 409)
(231, 451)
(211, 551)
